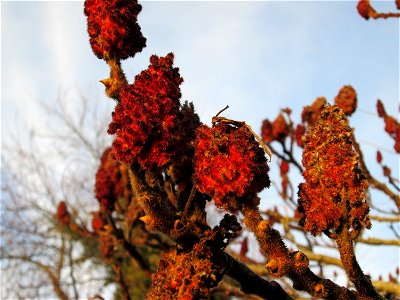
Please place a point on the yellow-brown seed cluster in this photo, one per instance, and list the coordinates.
(182, 276)
(334, 188)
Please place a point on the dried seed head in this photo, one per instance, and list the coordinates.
(113, 28)
(112, 181)
(347, 100)
(311, 113)
(365, 9)
(186, 275)
(146, 117)
(278, 130)
(62, 213)
(229, 163)
(334, 188)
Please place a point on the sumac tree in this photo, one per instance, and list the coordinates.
(165, 166)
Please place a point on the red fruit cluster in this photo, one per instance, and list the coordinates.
(112, 181)
(181, 170)
(311, 112)
(378, 157)
(284, 170)
(392, 126)
(229, 163)
(278, 130)
(190, 274)
(334, 188)
(99, 220)
(299, 133)
(184, 276)
(146, 116)
(113, 28)
(62, 213)
(347, 99)
(309, 115)
(284, 167)
(364, 9)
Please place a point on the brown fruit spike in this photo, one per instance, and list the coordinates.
(334, 188)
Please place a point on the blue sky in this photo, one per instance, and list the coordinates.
(257, 57)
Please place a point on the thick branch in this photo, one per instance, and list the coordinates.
(362, 283)
(132, 250)
(160, 214)
(282, 262)
(250, 282)
(134, 253)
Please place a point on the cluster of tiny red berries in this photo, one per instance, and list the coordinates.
(347, 100)
(111, 181)
(113, 28)
(277, 130)
(229, 163)
(146, 117)
(62, 214)
(186, 276)
(392, 126)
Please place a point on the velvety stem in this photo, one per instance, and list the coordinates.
(274, 248)
(117, 79)
(159, 215)
(362, 283)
